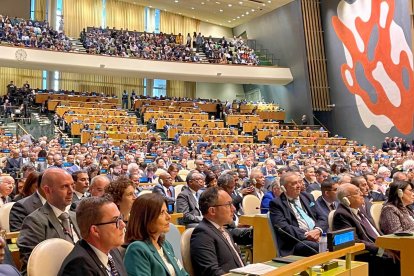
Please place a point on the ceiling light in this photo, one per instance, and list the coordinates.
(238, 17)
(269, 1)
(217, 2)
(253, 10)
(202, 3)
(192, 8)
(221, 10)
(242, 15)
(229, 21)
(176, 1)
(263, 4)
(240, 3)
(229, 5)
(247, 13)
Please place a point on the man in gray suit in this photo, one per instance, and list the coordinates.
(187, 200)
(52, 220)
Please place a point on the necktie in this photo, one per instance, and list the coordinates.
(64, 217)
(169, 192)
(333, 206)
(111, 263)
(309, 221)
(230, 242)
(368, 226)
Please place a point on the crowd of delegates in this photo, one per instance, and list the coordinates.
(88, 195)
(161, 46)
(33, 34)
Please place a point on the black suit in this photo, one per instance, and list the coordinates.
(376, 196)
(345, 218)
(21, 209)
(323, 206)
(210, 252)
(188, 205)
(160, 190)
(282, 215)
(82, 260)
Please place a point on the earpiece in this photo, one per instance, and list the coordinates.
(400, 193)
(254, 182)
(160, 181)
(345, 201)
(282, 188)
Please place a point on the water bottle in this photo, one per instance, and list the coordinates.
(323, 243)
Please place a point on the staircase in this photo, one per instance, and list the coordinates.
(77, 45)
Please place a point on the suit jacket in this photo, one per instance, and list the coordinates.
(160, 189)
(188, 205)
(21, 209)
(226, 166)
(264, 205)
(210, 252)
(142, 258)
(324, 208)
(344, 218)
(376, 196)
(315, 186)
(82, 260)
(282, 215)
(266, 172)
(40, 225)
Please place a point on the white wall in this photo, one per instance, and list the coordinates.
(221, 91)
(216, 31)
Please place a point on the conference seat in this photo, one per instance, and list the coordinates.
(178, 188)
(330, 220)
(274, 235)
(191, 165)
(251, 205)
(47, 257)
(174, 237)
(375, 211)
(4, 216)
(183, 174)
(316, 194)
(185, 251)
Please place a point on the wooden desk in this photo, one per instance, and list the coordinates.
(175, 217)
(406, 247)
(263, 245)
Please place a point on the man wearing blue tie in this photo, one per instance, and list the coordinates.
(296, 216)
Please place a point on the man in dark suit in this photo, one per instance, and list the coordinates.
(212, 249)
(81, 184)
(187, 200)
(296, 213)
(102, 229)
(13, 163)
(269, 167)
(52, 220)
(374, 194)
(24, 207)
(165, 188)
(349, 215)
(327, 202)
(230, 162)
(362, 184)
(321, 175)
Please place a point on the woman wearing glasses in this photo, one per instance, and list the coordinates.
(122, 191)
(148, 252)
(395, 215)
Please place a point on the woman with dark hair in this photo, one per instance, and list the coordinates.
(148, 252)
(29, 187)
(395, 215)
(122, 192)
(93, 170)
(211, 179)
(173, 171)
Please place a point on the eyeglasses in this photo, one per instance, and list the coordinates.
(117, 222)
(228, 204)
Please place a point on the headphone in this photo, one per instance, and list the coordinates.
(160, 181)
(400, 193)
(282, 188)
(345, 201)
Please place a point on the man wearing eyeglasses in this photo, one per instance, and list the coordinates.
(212, 249)
(53, 219)
(327, 202)
(349, 215)
(102, 230)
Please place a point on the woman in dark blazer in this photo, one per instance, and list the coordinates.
(148, 252)
(395, 215)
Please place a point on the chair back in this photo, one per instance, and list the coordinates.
(375, 211)
(330, 220)
(183, 174)
(48, 256)
(185, 251)
(251, 205)
(173, 236)
(178, 189)
(274, 236)
(191, 164)
(4, 216)
(143, 192)
(316, 194)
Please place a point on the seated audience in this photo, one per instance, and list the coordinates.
(173, 170)
(362, 184)
(296, 213)
(270, 195)
(53, 219)
(102, 230)
(98, 185)
(164, 187)
(374, 193)
(187, 200)
(212, 249)
(349, 215)
(395, 215)
(148, 252)
(122, 192)
(81, 185)
(6, 188)
(321, 175)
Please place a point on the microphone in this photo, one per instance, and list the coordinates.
(262, 208)
(278, 228)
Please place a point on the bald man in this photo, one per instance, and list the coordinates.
(6, 188)
(165, 187)
(53, 219)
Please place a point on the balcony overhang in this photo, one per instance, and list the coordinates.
(141, 68)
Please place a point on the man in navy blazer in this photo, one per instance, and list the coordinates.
(327, 202)
(165, 188)
(296, 213)
(102, 229)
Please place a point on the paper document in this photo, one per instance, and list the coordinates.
(254, 269)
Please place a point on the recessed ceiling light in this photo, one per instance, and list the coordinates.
(176, 1)
(238, 17)
(202, 3)
(263, 4)
(240, 3)
(229, 5)
(242, 15)
(247, 13)
(221, 10)
(217, 2)
(253, 10)
(150, 6)
(192, 8)
(269, 1)
(229, 21)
